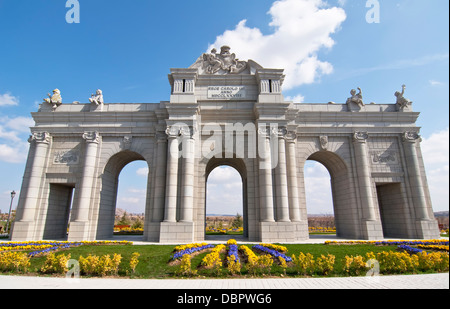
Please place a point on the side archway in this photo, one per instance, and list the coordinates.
(342, 191)
(109, 190)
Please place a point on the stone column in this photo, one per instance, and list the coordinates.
(294, 202)
(364, 175)
(265, 176)
(79, 225)
(281, 179)
(85, 190)
(371, 226)
(170, 213)
(41, 141)
(410, 140)
(187, 191)
(160, 179)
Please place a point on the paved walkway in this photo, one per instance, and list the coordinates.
(433, 281)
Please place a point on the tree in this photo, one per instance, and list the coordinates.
(237, 222)
(124, 220)
(138, 224)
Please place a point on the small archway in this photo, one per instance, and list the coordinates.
(342, 193)
(234, 169)
(319, 198)
(109, 191)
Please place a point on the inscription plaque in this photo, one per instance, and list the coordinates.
(227, 92)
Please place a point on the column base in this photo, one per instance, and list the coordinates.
(152, 231)
(283, 231)
(23, 231)
(78, 231)
(427, 229)
(372, 230)
(176, 232)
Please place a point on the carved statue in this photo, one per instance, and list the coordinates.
(226, 61)
(97, 98)
(54, 99)
(356, 97)
(402, 102)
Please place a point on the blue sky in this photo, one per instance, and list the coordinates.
(126, 48)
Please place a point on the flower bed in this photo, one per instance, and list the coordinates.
(189, 249)
(233, 250)
(389, 242)
(262, 257)
(213, 259)
(272, 252)
(229, 259)
(407, 245)
(43, 247)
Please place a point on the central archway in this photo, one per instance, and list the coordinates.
(237, 165)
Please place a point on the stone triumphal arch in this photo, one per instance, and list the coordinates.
(223, 111)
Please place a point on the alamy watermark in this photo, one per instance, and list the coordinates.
(73, 14)
(73, 275)
(230, 140)
(373, 14)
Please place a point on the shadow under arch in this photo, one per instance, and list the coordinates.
(239, 165)
(343, 193)
(109, 189)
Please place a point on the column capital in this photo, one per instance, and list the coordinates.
(40, 137)
(281, 132)
(187, 132)
(91, 137)
(291, 136)
(176, 131)
(360, 137)
(264, 131)
(172, 132)
(411, 137)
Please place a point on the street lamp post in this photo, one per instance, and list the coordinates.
(13, 194)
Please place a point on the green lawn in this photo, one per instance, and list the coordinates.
(153, 260)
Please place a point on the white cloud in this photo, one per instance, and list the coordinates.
(14, 154)
(13, 144)
(301, 29)
(296, 99)
(130, 200)
(224, 175)
(20, 124)
(8, 99)
(318, 189)
(435, 83)
(224, 195)
(399, 65)
(142, 171)
(435, 151)
(8, 135)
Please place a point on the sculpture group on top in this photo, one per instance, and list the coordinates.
(357, 99)
(402, 102)
(97, 98)
(225, 61)
(55, 99)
